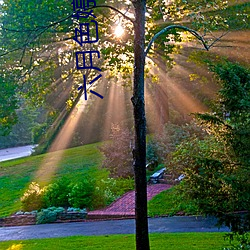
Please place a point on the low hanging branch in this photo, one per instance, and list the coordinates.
(114, 9)
(193, 32)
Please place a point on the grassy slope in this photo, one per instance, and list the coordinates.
(16, 175)
(173, 241)
(169, 203)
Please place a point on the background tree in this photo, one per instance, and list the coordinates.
(8, 105)
(118, 155)
(217, 168)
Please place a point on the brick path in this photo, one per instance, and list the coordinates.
(124, 207)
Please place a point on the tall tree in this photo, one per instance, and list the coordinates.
(139, 151)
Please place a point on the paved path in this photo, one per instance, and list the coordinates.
(156, 225)
(14, 153)
(125, 206)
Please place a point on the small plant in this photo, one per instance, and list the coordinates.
(81, 194)
(56, 194)
(243, 242)
(109, 189)
(33, 197)
(76, 210)
(73, 209)
(103, 195)
(48, 215)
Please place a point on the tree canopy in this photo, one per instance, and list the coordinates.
(37, 46)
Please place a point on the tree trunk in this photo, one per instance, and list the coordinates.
(139, 151)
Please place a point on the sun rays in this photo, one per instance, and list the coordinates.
(51, 161)
(93, 118)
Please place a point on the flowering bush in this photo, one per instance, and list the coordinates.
(33, 197)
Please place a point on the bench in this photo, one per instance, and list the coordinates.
(182, 176)
(155, 177)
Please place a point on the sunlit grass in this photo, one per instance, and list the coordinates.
(170, 241)
(16, 175)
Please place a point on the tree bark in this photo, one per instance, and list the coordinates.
(139, 151)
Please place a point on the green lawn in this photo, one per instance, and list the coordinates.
(170, 241)
(169, 202)
(16, 175)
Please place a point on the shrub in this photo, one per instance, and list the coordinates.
(38, 131)
(48, 215)
(103, 194)
(57, 193)
(109, 189)
(33, 197)
(81, 194)
(243, 242)
(73, 209)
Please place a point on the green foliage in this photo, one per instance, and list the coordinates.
(151, 154)
(32, 198)
(118, 153)
(21, 132)
(8, 105)
(205, 175)
(103, 193)
(56, 194)
(48, 215)
(236, 16)
(216, 168)
(243, 242)
(81, 194)
(108, 190)
(38, 131)
(88, 193)
(38, 45)
(123, 185)
(65, 193)
(231, 123)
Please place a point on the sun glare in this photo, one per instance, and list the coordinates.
(119, 31)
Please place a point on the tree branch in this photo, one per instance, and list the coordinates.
(46, 27)
(113, 8)
(27, 43)
(193, 32)
(218, 38)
